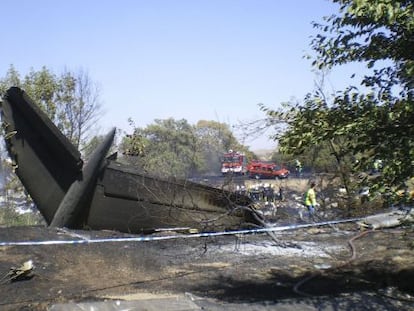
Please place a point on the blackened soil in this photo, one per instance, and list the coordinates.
(312, 269)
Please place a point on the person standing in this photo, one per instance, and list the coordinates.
(310, 199)
(298, 166)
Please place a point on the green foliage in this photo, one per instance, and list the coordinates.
(166, 147)
(70, 100)
(379, 34)
(11, 193)
(176, 148)
(12, 79)
(133, 144)
(214, 139)
(93, 143)
(317, 159)
(9, 217)
(361, 126)
(41, 86)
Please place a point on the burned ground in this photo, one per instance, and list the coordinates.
(315, 269)
(335, 267)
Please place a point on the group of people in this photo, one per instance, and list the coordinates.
(261, 192)
(266, 193)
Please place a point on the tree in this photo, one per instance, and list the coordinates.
(165, 148)
(79, 106)
(376, 121)
(175, 148)
(70, 100)
(42, 88)
(12, 78)
(214, 139)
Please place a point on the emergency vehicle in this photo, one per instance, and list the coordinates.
(234, 162)
(267, 170)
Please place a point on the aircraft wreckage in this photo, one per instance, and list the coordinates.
(103, 193)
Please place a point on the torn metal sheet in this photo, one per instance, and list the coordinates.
(388, 220)
(103, 193)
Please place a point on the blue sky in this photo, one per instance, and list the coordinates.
(155, 59)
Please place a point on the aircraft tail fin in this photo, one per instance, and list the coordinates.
(46, 162)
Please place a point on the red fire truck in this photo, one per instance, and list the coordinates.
(234, 162)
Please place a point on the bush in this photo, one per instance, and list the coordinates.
(10, 217)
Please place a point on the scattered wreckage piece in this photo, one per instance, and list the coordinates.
(103, 193)
(20, 273)
(388, 220)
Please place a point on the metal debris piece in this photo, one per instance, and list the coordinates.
(388, 220)
(102, 193)
(323, 266)
(21, 273)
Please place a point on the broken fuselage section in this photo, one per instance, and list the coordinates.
(103, 193)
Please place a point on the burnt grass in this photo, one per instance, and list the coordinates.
(339, 267)
(219, 268)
